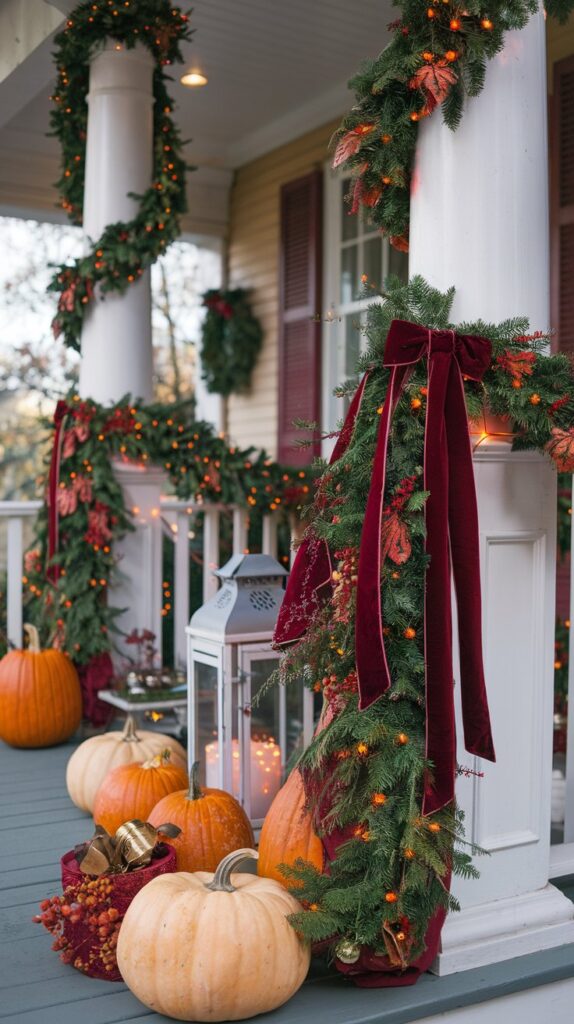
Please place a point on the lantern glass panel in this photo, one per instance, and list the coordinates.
(206, 740)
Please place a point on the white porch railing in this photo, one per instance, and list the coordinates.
(177, 519)
(15, 515)
(562, 854)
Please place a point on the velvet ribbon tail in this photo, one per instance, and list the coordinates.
(310, 577)
(452, 532)
(60, 414)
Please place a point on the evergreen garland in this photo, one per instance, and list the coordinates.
(72, 611)
(230, 342)
(120, 256)
(437, 55)
(390, 877)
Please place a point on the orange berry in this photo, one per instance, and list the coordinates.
(416, 403)
(486, 24)
(313, 906)
(414, 116)
(451, 55)
(378, 799)
(431, 12)
(391, 897)
(362, 748)
(535, 399)
(516, 383)
(434, 826)
(454, 24)
(400, 936)
(409, 854)
(385, 139)
(402, 739)
(428, 56)
(409, 633)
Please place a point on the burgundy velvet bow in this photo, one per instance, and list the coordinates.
(451, 520)
(452, 532)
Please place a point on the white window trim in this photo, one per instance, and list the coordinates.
(333, 371)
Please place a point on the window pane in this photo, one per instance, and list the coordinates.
(349, 276)
(373, 261)
(348, 219)
(206, 745)
(352, 343)
(265, 754)
(399, 264)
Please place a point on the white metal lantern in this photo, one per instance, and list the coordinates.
(242, 746)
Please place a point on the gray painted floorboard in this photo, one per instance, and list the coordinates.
(38, 823)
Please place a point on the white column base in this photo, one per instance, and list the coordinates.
(138, 589)
(504, 929)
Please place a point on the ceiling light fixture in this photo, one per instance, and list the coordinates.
(193, 79)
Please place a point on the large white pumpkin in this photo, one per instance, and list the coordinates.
(205, 947)
(94, 758)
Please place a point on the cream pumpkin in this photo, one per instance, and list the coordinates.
(204, 947)
(95, 758)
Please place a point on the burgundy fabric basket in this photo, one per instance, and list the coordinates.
(79, 935)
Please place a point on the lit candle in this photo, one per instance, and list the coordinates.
(265, 765)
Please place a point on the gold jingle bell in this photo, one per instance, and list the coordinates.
(347, 951)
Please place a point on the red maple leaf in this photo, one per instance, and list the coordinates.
(561, 448)
(435, 80)
(395, 540)
(350, 143)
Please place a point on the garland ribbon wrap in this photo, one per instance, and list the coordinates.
(451, 519)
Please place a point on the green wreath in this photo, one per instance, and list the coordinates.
(231, 341)
(125, 250)
(436, 57)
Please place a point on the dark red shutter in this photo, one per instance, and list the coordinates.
(562, 204)
(299, 316)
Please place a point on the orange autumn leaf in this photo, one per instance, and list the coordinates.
(399, 242)
(561, 448)
(395, 540)
(435, 80)
(350, 143)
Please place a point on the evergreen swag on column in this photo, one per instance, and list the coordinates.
(437, 55)
(380, 906)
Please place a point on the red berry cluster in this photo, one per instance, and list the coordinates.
(337, 690)
(402, 494)
(88, 904)
(345, 580)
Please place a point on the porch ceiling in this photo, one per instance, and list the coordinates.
(276, 70)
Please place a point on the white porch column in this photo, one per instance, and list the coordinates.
(116, 337)
(479, 221)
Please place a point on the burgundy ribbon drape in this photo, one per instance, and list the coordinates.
(452, 536)
(62, 410)
(98, 672)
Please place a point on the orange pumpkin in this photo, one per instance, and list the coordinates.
(212, 824)
(132, 790)
(40, 696)
(288, 833)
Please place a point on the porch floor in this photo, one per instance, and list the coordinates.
(38, 823)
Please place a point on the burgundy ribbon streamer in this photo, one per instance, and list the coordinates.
(452, 533)
(60, 414)
(451, 518)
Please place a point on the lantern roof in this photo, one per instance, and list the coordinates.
(246, 606)
(240, 566)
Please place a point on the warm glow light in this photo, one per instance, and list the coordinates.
(193, 79)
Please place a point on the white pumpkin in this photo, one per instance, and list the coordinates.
(94, 758)
(212, 947)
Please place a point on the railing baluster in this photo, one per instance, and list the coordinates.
(269, 539)
(14, 565)
(240, 524)
(181, 588)
(569, 789)
(210, 551)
